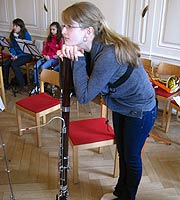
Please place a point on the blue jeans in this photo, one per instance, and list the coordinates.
(56, 68)
(131, 134)
(43, 64)
(16, 66)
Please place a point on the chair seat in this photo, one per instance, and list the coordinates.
(89, 131)
(5, 55)
(174, 102)
(38, 102)
(161, 92)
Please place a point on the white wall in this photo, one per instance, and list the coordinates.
(112, 10)
(37, 20)
(157, 33)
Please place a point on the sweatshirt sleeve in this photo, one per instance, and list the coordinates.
(28, 36)
(45, 49)
(87, 88)
(60, 44)
(12, 50)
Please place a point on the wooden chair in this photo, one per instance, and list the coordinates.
(89, 134)
(162, 95)
(40, 104)
(175, 106)
(29, 67)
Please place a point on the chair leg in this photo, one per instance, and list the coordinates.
(37, 118)
(177, 115)
(168, 119)
(18, 114)
(164, 114)
(27, 74)
(100, 150)
(75, 165)
(2, 89)
(116, 164)
(44, 119)
(77, 107)
(142, 152)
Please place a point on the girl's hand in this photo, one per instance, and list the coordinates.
(71, 52)
(13, 57)
(55, 57)
(46, 57)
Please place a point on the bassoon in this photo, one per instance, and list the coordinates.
(63, 162)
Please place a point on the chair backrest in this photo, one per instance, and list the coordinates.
(104, 111)
(1, 48)
(103, 108)
(147, 65)
(49, 76)
(168, 69)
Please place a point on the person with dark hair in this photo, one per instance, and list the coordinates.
(108, 63)
(17, 57)
(53, 43)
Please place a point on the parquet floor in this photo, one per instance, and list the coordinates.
(34, 172)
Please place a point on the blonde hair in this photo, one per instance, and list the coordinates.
(88, 15)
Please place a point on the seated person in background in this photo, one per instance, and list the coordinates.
(17, 57)
(50, 59)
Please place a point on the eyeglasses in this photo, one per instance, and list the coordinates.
(69, 26)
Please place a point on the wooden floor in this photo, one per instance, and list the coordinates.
(34, 171)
